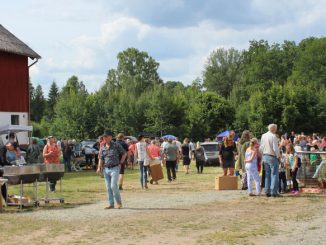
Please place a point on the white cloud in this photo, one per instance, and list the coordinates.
(85, 37)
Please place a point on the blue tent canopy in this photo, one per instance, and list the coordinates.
(226, 133)
(169, 136)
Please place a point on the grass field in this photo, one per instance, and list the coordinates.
(188, 211)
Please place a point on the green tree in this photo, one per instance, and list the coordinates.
(208, 115)
(71, 115)
(52, 100)
(38, 104)
(310, 66)
(222, 71)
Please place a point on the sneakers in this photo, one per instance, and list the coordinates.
(296, 193)
(252, 195)
(119, 206)
(109, 207)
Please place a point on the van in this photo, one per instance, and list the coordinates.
(211, 153)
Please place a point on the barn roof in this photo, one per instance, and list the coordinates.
(11, 44)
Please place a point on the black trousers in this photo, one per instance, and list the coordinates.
(199, 166)
(170, 168)
(89, 158)
(282, 179)
(52, 185)
(294, 179)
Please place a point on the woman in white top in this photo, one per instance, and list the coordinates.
(142, 154)
(251, 167)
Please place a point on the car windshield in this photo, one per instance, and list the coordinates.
(212, 147)
(88, 143)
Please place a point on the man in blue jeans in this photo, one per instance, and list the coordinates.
(109, 164)
(271, 155)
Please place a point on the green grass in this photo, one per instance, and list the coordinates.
(87, 187)
(232, 236)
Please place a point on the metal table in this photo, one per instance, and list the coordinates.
(21, 175)
(50, 173)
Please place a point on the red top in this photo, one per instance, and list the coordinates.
(154, 150)
(324, 143)
(132, 148)
(51, 154)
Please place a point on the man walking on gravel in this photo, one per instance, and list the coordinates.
(171, 154)
(109, 162)
(271, 155)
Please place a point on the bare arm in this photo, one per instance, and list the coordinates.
(252, 156)
(123, 158)
(149, 153)
(136, 153)
(45, 150)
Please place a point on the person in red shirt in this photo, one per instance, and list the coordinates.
(324, 144)
(154, 149)
(51, 155)
(131, 155)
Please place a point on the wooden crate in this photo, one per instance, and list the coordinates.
(226, 183)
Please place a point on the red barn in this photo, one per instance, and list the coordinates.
(14, 79)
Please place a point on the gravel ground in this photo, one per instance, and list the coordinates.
(309, 232)
(133, 204)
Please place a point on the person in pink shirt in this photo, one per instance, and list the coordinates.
(154, 149)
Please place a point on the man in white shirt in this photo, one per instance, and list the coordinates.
(271, 155)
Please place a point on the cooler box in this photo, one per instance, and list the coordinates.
(226, 183)
(156, 171)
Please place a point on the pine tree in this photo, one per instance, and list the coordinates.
(38, 104)
(52, 99)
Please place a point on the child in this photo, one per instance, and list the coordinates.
(313, 157)
(292, 163)
(251, 167)
(282, 175)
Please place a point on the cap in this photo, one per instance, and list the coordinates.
(107, 133)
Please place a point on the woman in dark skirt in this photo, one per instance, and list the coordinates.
(200, 158)
(227, 154)
(185, 154)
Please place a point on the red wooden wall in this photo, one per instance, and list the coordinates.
(14, 94)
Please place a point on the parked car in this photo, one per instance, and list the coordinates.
(211, 152)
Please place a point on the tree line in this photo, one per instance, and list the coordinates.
(239, 89)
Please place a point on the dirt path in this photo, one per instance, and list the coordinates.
(142, 202)
(208, 217)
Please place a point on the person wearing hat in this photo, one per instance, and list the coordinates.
(109, 162)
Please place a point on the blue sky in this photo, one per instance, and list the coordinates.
(83, 37)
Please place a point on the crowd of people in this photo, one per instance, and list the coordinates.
(274, 160)
(270, 162)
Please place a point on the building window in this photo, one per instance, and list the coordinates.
(14, 119)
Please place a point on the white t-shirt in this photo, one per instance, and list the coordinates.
(141, 148)
(179, 145)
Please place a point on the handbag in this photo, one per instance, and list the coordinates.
(146, 162)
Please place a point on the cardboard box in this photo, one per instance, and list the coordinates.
(156, 172)
(226, 183)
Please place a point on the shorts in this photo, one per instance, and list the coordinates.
(132, 158)
(186, 160)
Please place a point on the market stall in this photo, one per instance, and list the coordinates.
(312, 173)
